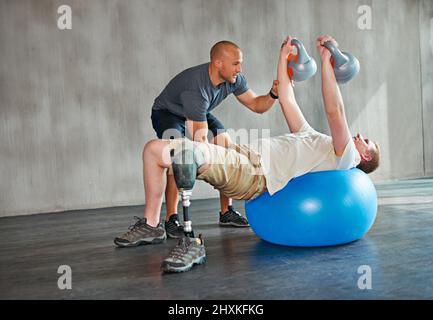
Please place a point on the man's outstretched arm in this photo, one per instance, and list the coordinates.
(258, 104)
(333, 101)
(293, 114)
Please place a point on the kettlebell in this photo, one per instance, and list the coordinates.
(302, 66)
(346, 66)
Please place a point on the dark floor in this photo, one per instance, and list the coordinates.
(399, 250)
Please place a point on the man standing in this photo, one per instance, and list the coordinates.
(183, 109)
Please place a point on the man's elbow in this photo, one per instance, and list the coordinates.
(261, 108)
(335, 111)
(254, 108)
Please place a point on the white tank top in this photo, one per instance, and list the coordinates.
(294, 154)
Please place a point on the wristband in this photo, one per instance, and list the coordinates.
(273, 96)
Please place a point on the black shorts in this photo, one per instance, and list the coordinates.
(170, 126)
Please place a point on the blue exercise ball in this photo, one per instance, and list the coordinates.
(317, 209)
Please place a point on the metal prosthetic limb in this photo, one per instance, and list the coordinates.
(186, 159)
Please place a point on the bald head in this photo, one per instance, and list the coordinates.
(225, 62)
(220, 49)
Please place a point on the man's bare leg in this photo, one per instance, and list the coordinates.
(171, 196)
(156, 159)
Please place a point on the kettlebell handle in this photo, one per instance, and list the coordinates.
(337, 55)
(302, 54)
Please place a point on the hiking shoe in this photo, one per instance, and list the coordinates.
(173, 228)
(233, 218)
(141, 233)
(187, 253)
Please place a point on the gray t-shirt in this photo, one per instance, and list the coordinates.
(191, 94)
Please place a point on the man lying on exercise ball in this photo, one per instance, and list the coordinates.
(245, 172)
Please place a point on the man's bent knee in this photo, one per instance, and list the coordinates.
(149, 147)
(158, 150)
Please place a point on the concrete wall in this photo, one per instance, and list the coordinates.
(75, 104)
(426, 53)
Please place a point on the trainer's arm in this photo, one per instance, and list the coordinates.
(333, 103)
(293, 114)
(257, 104)
(198, 130)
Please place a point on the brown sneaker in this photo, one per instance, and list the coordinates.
(141, 233)
(187, 253)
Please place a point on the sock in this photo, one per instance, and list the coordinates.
(172, 216)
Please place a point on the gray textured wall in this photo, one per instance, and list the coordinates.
(426, 53)
(75, 104)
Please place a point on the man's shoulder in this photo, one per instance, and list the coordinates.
(189, 80)
(194, 78)
(196, 70)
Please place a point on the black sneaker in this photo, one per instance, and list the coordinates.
(173, 228)
(233, 218)
(187, 253)
(141, 233)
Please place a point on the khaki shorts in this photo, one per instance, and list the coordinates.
(236, 172)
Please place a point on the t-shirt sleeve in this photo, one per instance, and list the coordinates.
(306, 127)
(195, 106)
(241, 85)
(350, 157)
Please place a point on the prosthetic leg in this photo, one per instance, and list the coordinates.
(190, 251)
(186, 160)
